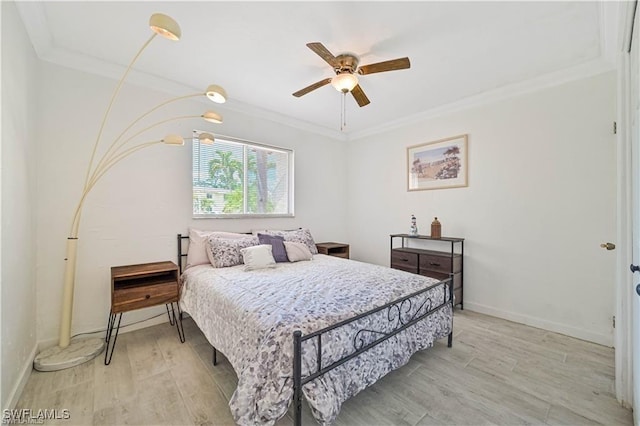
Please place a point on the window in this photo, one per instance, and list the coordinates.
(234, 178)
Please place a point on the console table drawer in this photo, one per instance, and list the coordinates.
(457, 278)
(404, 260)
(435, 263)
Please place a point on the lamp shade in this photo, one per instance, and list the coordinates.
(165, 26)
(344, 82)
(173, 139)
(217, 94)
(212, 117)
(206, 138)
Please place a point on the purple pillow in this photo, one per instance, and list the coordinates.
(277, 246)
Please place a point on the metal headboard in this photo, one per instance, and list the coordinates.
(182, 252)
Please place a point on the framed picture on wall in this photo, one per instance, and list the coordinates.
(438, 164)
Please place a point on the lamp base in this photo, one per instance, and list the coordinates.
(78, 352)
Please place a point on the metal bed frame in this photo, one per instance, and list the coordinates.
(401, 314)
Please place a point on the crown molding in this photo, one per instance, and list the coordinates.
(34, 19)
(35, 22)
(556, 78)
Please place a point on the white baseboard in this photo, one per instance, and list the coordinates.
(25, 373)
(578, 333)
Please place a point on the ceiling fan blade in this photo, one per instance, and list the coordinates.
(323, 52)
(359, 96)
(392, 65)
(312, 87)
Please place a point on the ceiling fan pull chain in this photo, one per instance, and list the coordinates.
(343, 120)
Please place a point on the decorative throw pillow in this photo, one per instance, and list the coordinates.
(302, 235)
(197, 252)
(277, 246)
(297, 251)
(223, 252)
(258, 257)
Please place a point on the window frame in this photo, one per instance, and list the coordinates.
(246, 144)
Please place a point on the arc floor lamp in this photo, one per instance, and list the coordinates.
(70, 353)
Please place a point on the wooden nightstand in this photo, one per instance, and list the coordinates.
(334, 249)
(142, 286)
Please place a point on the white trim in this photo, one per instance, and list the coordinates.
(624, 279)
(25, 373)
(623, 331)
(578, 72)
(579, 333)
(33, 16)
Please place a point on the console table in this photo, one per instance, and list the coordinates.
(431, 263)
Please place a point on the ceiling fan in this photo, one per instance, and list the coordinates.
(346, 68)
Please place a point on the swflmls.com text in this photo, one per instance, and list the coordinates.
(28, 416)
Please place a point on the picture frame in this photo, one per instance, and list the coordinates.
(437, 165)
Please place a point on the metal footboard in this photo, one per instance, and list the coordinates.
(395, 311)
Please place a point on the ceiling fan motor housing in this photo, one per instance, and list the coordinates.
(346, 62)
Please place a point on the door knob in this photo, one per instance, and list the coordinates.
(608, 246)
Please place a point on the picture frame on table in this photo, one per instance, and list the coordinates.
(438, 165)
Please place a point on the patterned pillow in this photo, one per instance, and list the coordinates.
(276, 242)
(302, 235)
(197, 254)
(223, 252)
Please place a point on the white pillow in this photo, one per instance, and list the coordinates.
(297, 251)
(197, 252)
(258, 257)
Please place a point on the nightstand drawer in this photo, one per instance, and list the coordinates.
(136, 297)
(404, 260)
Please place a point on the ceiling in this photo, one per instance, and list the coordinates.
(461, 52)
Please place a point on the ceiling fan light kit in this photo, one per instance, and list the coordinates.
(344, 82)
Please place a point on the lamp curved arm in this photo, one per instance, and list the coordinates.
(107, 157)
(113, 98)
(137, 120)
(76, 217)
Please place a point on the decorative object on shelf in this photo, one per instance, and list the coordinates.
(68, 354)
(436, 229)
(413, 230)
(437, 165)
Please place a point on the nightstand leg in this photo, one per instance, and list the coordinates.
(169, 314)
(110, 347)
(177, 321)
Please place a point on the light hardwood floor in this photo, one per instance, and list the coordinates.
(497, 372)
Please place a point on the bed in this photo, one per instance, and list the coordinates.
(325, 328)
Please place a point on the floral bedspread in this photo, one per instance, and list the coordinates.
(250, 316)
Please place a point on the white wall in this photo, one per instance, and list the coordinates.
(540, 200)
(18, 250)
(134, 214)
